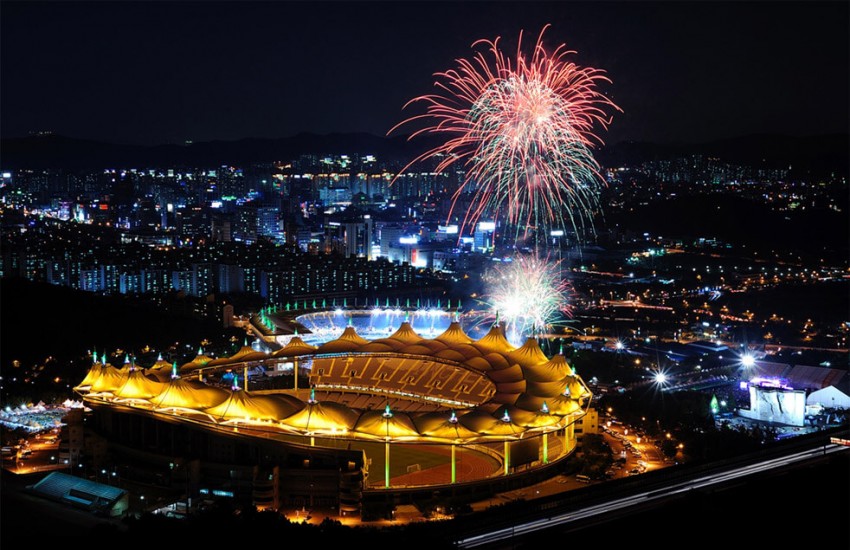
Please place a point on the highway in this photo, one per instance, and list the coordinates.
(645, 498)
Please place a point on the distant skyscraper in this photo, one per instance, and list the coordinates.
(483, 236)
(358, 238)
(230, 279)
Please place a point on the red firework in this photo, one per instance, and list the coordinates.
(523, 130)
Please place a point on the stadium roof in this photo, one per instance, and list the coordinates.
(481, 389)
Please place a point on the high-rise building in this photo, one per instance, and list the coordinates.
(483, 236)
(358, 238)
(156, 281)
(204, 279)
(269, 223)
(230, 279)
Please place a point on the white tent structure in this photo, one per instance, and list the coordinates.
(829, 397)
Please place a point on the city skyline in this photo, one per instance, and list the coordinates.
(173, 72)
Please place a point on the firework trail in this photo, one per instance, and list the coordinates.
(527, 294)
(522, 129)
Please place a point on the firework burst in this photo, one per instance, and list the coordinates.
(527, 294)
(523, 131)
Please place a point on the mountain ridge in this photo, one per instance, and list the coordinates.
(826, 153)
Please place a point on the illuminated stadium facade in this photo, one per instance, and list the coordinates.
(359, 420)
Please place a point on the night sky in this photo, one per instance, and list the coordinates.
(167, 72)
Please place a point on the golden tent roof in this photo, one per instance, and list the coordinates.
(577, 387)
(467, 350)
(380, 425)
(497, 360)
(529, 354)
(376, 347)
(161, 364)
(406, 334)
(558, 405)
(188, 394)
(325, 416)
(389, 343)
(505, 397)
(530, 419)
(499, 378)
(494, 340)
(486, 424)
(92, 375)
(433, 345)
(162, 375)
(478, 363)
(442, 425)
(451, 355)
(243, 405)
(199, 361)
(545, 389)
(161, 370)
(515, 387)
(109, 380)
(350, 335)
(349, 340)
(295, 346)
(416, 349)
(245, 353)
(512, 373)
(556, 368)
(454, 335)
(138, 386)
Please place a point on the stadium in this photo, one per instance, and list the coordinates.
(348, 420)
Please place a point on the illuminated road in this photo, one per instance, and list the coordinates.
(674, 489)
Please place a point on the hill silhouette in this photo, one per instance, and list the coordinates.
(808, 155)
